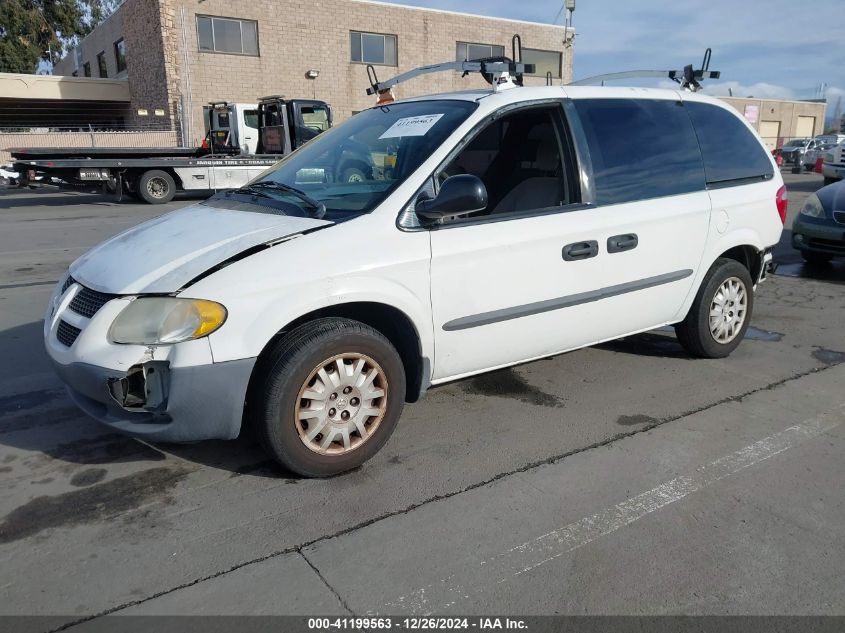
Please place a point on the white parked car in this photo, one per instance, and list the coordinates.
(515, 225)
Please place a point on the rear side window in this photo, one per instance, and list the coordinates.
(640, 148)
(731, 152)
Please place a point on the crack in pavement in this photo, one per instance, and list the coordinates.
(522, 469)
(326, 583)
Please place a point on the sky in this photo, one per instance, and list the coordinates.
(766, 48)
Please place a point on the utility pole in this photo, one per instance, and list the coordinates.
(569, 38)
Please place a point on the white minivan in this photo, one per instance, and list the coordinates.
(511, 226)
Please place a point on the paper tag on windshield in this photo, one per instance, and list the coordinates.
(412, 126)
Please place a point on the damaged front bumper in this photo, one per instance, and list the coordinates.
(157, 402)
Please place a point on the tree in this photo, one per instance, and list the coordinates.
(29, 28)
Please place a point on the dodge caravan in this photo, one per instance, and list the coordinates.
(511, 226)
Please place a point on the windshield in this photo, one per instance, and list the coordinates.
(353, 167)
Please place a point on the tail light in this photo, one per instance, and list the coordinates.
(782, 201)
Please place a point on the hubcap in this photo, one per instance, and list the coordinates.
(355, 177)
(341, 404)
(157, 187)
(728, 310)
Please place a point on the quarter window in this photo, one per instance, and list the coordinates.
(470, 52)
(373, 48)
(101, 64)
(544, 61)
(120, 55)
(640, 148)
(731, 152)
(227, 35)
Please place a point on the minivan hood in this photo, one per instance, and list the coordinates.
(167, 252)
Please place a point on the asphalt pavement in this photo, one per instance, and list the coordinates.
(626, 478)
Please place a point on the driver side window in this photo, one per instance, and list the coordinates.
(520, 160)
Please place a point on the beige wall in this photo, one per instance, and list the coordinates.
(296, 36)
(101, 39)
(784, 112)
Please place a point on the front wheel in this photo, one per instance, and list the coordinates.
(327, 396)
(720, 313)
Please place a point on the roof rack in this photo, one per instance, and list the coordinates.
(688, 78)
(502, 73)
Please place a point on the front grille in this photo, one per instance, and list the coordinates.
(66, 333)
(87, 302)
(839, 216)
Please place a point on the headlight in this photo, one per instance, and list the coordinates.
(813, 207)
(156, 320)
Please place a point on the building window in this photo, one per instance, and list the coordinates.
(469, 52)
(86, 69)
(227, 35)
(120, 55)
(101, 64)
(544, 61)
(373, 48)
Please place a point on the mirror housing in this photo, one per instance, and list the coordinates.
(458, 195)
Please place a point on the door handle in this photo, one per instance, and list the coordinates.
(580, 250)
(619, 243)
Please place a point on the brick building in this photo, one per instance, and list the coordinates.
(178, 55)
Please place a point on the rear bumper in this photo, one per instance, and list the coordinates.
(196, 403)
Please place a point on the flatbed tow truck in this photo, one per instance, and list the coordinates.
(156, 174)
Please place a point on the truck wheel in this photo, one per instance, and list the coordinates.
(327, 396)
(156, 186)
(353, 174)
(720, 313)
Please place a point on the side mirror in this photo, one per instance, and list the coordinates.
(458, 195)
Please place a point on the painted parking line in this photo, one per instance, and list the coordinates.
(516, 561)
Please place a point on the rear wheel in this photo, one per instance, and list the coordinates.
(720, 313)
(811, 257)
(327, 396)
(156, 186)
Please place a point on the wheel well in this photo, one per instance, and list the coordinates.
(391, 322)
(748, 256)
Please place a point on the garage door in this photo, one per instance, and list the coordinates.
(805, 127)
(769, 132)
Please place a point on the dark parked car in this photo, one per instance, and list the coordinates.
(819, 230)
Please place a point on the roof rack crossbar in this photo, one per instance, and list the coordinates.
(486, 67)
(688, 78)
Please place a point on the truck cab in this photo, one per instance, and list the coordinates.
(232, 125)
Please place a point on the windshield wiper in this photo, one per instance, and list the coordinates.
(319, 207)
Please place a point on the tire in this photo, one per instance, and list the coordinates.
(353, 174)
(291, 369)
(694, 332)
(156, 187)
(815, 259)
